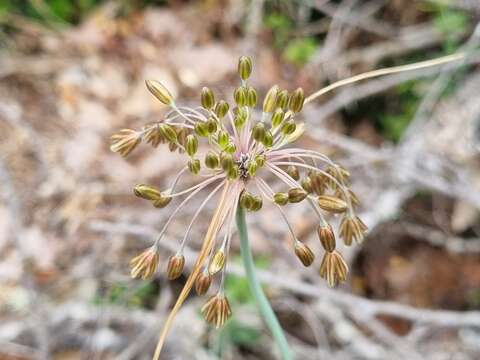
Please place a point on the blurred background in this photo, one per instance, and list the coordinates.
(72, 73)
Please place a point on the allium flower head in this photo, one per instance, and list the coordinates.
(235, 149)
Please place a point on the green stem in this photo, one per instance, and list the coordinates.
(256, 288)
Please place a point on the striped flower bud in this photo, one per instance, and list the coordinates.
(191, 145)
(211, 160)
(252, 168)
(244, 67)
(207, 98)
(162, 202)
(159, 91)
(257, 203)
(226, 160)
(251, 97)
(239, 121)
(233, 173)
(270, 99)
(327, 237)
(217, 263)
(203, 282)
(172, 146)
(230, 148)
(288, 127)
(260, 160)
(318, 182)
(194, 166)
(296, 99)
(293, 172)
(296, 195)
(332, 204)
(146, 192)
(240, 96)
(168, 132)
(258, 132)
(304, 254)
(221, 108)
(211, 125)
(223, 139)
(352, 228)
(282, 100)
(267, 139)
(307, 184)
(175, 266)
(280, 198)
(277, 117)
(217, 310)
(201, 128)
(246, 200)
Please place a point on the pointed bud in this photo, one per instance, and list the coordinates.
(307, 184)
(221, 108)
(211, 125)
(226, 160)
(288, 127)
(162, 202)
(332, 204)
(244, 67)
(327, 237)
(293, 172)
(277, 117)
(304, 254)
(252, 168)
(168, 132)
(203, 282)
(270, 99)
(280, 198)
(296, 195)
(217, 263)
(240, 96)
(223, 139)
(191, 145)
(282, 100)
(230, 148)
(267, 139)
(159, 91)
(207, 98)
(201, 128)
(258, 132)
(194, 166)
(239, 121)
(296, 99)
(251, 97)
(211, 160)
(175, 266)
(146, 192)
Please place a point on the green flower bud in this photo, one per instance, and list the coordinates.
(159, 91)
(191, 145)
(221, 108)
(244, 67)
(201, 128)
(211, 160)
(162, 202)
(267, 139)
(293, 172)
(194, 166)
(288, 127)
(240, 96)
(207, 98)
(251, 97)
(258, 132)
(277, 117)
(240, 120)
(296, 195)
(211, 125)
(168, 132)
(257, 203)
(223, 138)
(246, 200)
(296, 99)
(233, 173)
(226, 160)
(252, 168)
(280, 198)
(260, 160)
(230, 148)
(270, 99)
(147, 192)
(282, 100)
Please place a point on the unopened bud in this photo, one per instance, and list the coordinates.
(332, 204)
(191, 145)
(175, 266)
(293, 172)
(296, 99)
(203, 282)
(257, 203)
(226, 160)
(233, 173)
(162, 202)
(230, 148)
(304, 254)
(277, 117)
(246, 200)
(282, 100)
(221, 109)
(258, 132)
(252, 168)
(159, 91)
(147, 192)
(307, 184)
(201, 128)
(296, 195)
(327, 237)
(240, 96)
(251, 97)
(280, 198)
(194, 166)
(211, 160)
(288, 127)
(267, 139)
(217, 263)
(223, 138)
(244, 67)
(270, 99)
(168, 132)
(207, 98)
(260, 160)
(211, 125)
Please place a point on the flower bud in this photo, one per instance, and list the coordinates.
(223, 138)
(233, 173)
(307, 184)
(182, 134)
(304, 254)
(194, 166)
(246, 200)
(270, 99)
(280, 198)
(327, 237)
(244, 67)
(159, 91)
(211, 160)
(175, 266)
(203, 282)
(168, 132)
(258, 132)
(226, 160)
(211, 125)
(293, 172)
(217, 263)
(318, 182)
(282, 100)
(252, 168)
(201, 128)
(257, 203)
(267, 139)
(240, 120)
(230, 148)
(251, 97)
(240, 96)
(207, 98)
(277, 117)
(296, 99)
(221, 108)
(288, 127)
(146, 192)
(332, 204)
(296, 195)
(191, 145)
(162, 202)
(260, 160)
